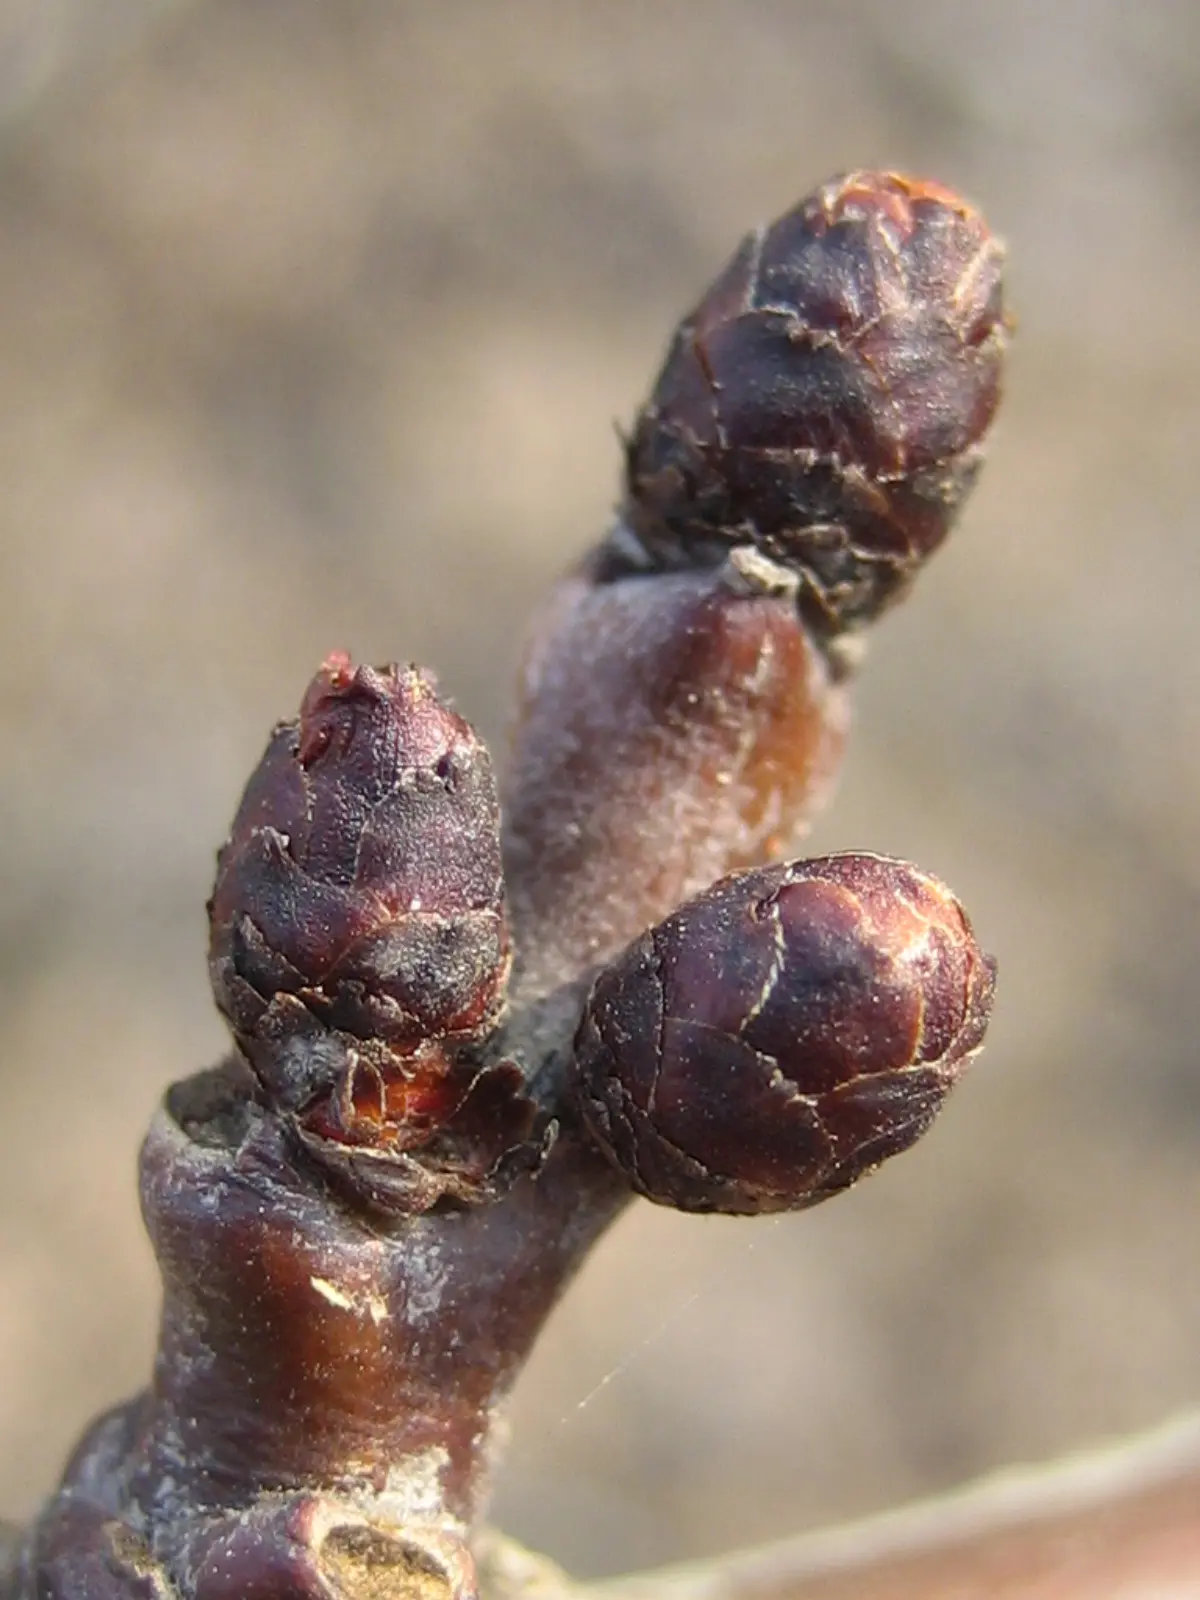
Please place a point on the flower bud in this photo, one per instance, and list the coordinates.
(358, 941)
(827, 398)
(782, 1034)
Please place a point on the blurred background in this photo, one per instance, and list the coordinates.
(315, 321)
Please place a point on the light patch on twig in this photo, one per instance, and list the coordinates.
(368, 1305)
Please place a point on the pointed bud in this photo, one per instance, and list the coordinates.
(359, 948)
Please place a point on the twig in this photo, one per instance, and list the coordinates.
(461, 1044)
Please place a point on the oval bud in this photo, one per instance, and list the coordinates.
(827, 398)
(782, 1034)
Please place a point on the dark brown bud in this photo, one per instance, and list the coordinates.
(827, 398)
(782, 1034)
(359, 945)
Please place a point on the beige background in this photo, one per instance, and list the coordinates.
(315, 318)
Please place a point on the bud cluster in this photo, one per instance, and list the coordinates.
(363, 1216)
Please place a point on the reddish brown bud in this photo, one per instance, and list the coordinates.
(828, 397)
(782, 1034)
(359, 946)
